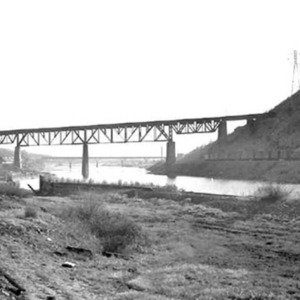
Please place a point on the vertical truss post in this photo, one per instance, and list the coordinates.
(17, 154)
(85, 158)
(170, 133)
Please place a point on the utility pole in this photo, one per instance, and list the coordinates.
(295, 78)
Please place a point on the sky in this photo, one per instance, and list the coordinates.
(74, 62)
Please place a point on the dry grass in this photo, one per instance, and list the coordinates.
(116, 232)
(196, 251)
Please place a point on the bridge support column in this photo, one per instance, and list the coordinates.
(17, 157)
(85, 161)
(222, 131)
(251, 125)
(171, 154)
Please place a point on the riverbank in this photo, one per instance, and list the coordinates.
(52, 186)
(210, 250)
(282, 171)
(10, 171)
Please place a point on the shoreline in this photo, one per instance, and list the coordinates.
(56, 187)
(280, 172)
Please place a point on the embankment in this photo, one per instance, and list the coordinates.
(267, 149)
(273, 171)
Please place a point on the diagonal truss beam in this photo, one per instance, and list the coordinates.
(153, 131)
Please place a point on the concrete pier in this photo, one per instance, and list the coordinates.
(222, 130)
(171, 154)
(17, 157)
(251, 125)
(85, 161)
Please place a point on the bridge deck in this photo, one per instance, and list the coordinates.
(117, 132)
(130, 124)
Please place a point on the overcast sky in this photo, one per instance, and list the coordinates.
(92, 62)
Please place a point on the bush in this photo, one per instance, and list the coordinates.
(116, 232)
(272, 193)
(30, 212)
(9, 189)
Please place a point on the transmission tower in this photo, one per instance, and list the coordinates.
(296, 77)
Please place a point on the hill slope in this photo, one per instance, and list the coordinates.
(30, 162)
(268, 149)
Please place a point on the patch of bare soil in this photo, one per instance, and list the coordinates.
(210, 250)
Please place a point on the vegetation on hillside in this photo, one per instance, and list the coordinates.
(277, 131)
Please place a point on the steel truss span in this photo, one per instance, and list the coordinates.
(154, 131)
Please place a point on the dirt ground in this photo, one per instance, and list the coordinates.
(210, 250)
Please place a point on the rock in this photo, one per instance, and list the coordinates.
(68, 264)
(80, 251)
(139, 284)
(58, 253)
(15, 288)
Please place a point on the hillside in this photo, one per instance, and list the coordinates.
(8, 153)
(268, 149)
(30, 162)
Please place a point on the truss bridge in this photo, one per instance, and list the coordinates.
(134, 132)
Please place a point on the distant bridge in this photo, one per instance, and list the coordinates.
(105, 158)
(135, 132)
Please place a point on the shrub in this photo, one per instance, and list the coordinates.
(13, 190)
(30, 212)
(272, 193)
(115, 231)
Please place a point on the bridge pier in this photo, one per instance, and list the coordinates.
(85, 161)
(222, 130)
(17, 157)
(171, 154)
(251, 125)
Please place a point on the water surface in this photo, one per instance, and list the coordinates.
(113, 174)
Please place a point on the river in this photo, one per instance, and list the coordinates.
(115, 174)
